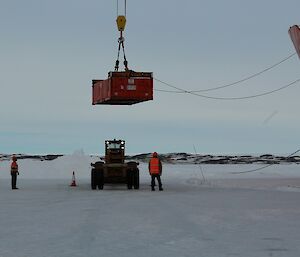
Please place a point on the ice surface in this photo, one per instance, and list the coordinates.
(224, 214)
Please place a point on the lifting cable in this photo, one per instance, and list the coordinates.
(263, 167)
(226, 85)
(121, 21)
(125, 8)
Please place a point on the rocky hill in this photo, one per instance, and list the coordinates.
(184, 158)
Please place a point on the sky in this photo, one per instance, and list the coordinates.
(50, 51)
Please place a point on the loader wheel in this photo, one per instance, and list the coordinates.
(93, 179)
(136, 179)
(129, 179)
(100, 180)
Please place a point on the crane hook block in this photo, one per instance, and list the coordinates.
(121, 22)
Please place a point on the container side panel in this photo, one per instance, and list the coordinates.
(124, 88)
(101, 91)
(137, 89)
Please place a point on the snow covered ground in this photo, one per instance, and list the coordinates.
(206, 210)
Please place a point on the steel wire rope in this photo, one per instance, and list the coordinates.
(263, 167)
(125, 8)
(233, 98)
(226, 85)
(200, 166)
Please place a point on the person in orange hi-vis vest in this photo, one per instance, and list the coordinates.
(155, 170)
(14, 171)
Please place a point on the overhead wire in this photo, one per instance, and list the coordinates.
(263, 167)
(231, 98)
(195, 92)
(235, 82)
(249, 77)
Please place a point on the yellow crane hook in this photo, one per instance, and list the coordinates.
(121, 22)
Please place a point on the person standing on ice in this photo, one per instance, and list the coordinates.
(155, 170)
(14, 171)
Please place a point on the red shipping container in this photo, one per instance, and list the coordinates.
(294, 32)
(123, 88)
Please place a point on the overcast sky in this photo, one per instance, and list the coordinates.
(51, 50)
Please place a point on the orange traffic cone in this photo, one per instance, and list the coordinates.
(73, 183)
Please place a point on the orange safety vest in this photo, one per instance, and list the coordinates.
(154, 166)
(14, 167)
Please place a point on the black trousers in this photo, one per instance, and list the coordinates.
(13, 180)
(153, 181)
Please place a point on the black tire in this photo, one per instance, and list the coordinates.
(129, 179)
(93, 179)
(132, 164)
(100, 180)
(136, 179)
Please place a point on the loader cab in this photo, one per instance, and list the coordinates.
(114, 151)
